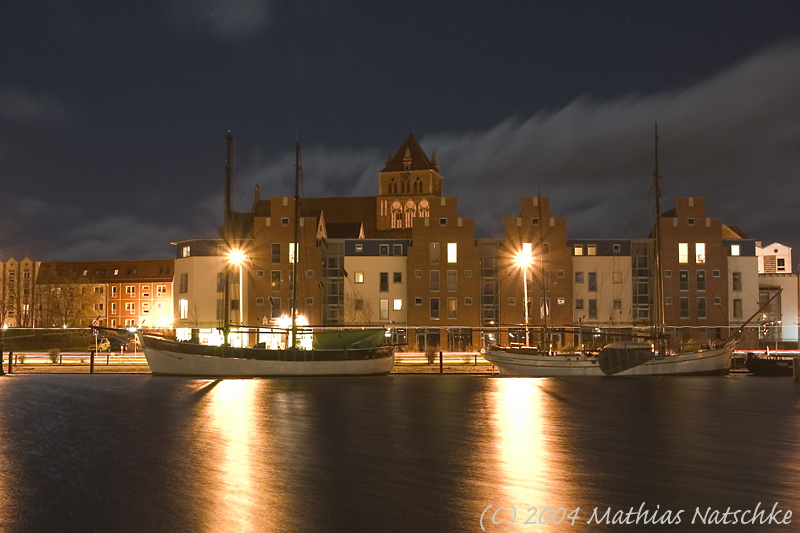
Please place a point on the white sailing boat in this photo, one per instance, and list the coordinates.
(331, 352)
(622, 358)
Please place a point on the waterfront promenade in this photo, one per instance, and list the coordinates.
(135, 363)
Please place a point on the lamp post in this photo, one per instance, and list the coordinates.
(237, 257)
(523, 260)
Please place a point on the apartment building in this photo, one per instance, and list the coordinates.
(17, 296)
(125, 293)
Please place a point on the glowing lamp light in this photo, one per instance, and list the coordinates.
(236, 256)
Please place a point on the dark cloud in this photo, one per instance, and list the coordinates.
(223, 19)
(20, 106)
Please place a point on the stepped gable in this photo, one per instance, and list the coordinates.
(409, 151)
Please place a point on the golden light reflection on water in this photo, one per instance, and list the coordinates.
(235, 444)
(519, 424)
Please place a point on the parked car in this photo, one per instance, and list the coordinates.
(103, 345)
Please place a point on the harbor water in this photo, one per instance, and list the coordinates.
(438, 453)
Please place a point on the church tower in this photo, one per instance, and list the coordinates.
(408, 181)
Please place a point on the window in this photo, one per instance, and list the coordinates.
(259, 273)
(735, 249)
(452, 252)
(512, 302)
(560, 273)
(183, 305)
(114, 307)
(668, 300)
(700, 252)
(418, 274)
(383, 249)
(683, 280)
(384, 283)
(397, 277)
(184, 284)
(359, 248)
(418, 301)
(715, 273)
(284, 221)
(359, 277)
(384, 307)
(717, 300)
(293, 254)
(452, 308)
(452, 280)
(701, 307)
(435, 308)
(130, 290)
(737, 308)
(578, 277)
(592, 281)
(275, 284)
(397, 304)
(161, 290)
(577, 249)
(781, 264)
(683, 252)
(259, 300)
(667, 273)
(358, 305)
(220, 282)
(617, 248)
(591, 249)
(737, 282)
(684, 302)
(579, 304)
(592, 308)
(435, 251)
(691, 221)
(275, 303)
(434, 280)
(397, 249)
(310, 273)
(442, 221)
(617, 305)
(468, 274)
(616, 277)
(701, 280)
(467, 300)
(186, 251)
(130, 307)
(276, 252)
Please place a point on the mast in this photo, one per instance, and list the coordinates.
(659, 303)
(227, 234)
(293, 307)
(545, 334)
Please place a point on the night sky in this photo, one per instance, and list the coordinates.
(113, 114)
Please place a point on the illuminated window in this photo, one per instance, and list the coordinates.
(359, 277)
(577, 249)
(683, 252)
(700, 252)
(276, 280)
(292, 252)
(591, 249)
(616, 277)
(735, 249)
(452, 307)
(397, 304)
(384, 310)
(186, 251)
(452, 252)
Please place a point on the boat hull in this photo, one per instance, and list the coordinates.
(711, 362)
(173, 358)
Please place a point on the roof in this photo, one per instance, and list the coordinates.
(343, 230)
(409, 150)
(136, 270)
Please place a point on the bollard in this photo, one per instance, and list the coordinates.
(441, 363)
(91, 362)
(796, 368)
(1, 361)
(10, 362)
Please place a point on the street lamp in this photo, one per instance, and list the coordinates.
(237, 257)
(524, 260)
